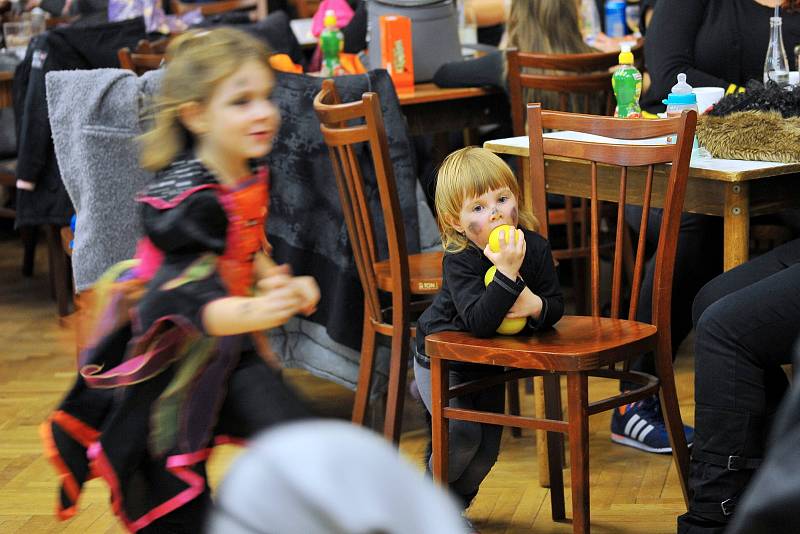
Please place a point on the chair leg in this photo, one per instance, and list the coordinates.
(512, 392)
(61, 278)
(674, 423)
(577, 405)
(365, 369)
(555, 446)
(29, 236)
(542, 447)
(440, 435)
(398, 369)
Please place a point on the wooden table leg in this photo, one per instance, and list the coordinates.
(737, 225)
(541, 435)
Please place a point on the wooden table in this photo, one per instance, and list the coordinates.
(435, 110)
(732, 189)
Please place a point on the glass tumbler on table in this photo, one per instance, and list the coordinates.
(17, 35)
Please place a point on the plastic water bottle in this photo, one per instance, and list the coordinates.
(331, 42)
(627, 85)
(776, 64)
(680, 98)
(615, 18)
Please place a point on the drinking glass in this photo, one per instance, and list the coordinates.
(17, 35)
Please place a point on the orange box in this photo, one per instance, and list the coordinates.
(396, 53)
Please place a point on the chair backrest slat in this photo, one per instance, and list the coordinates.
(567, 83)
(340, 159)
(631, 158)
(343, 137)
(609, 154)
(619, 246)
(594, 214)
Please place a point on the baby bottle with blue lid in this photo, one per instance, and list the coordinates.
(680, 97)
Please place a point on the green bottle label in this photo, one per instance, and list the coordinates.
(331, 43)
(627, 85)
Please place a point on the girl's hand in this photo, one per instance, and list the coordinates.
(308, 291)
(274, 277)
(528, 304)
(509, 258)
(305, 287)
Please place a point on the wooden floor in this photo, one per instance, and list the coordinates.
(632, 492)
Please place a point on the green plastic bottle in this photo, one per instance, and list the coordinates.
(627, 85)
(331, 42)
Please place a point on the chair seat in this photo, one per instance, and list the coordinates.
(576, 343)
(425, 272)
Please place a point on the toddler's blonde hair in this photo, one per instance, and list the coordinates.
(466, 174)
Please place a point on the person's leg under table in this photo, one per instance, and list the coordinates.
(747, 322)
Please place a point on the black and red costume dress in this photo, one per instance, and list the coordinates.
(156, 392)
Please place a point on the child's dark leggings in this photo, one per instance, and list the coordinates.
(473, 446)
(256, 400)
(747, 321)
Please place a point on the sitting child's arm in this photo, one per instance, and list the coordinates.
(483, 308)
(541, 301)
(279, 297)
(528, 304)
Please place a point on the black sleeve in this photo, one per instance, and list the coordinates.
(54, 7)
(355, 33)
(644, 6)
(197, 225)
(545, 284)
(669, 49)
(480, 72)
(481, 307)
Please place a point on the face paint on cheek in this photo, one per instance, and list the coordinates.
(474, 228)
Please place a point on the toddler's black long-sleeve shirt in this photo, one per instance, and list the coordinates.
(465, 304)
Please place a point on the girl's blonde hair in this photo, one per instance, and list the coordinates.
(466, 174)
(196, 62)
(545, 27)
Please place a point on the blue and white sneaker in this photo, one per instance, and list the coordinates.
(641, 425)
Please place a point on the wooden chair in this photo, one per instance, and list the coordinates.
(148, 55)
(259, 7)
(138, 63)
(570, 76)
(580, 347)
(402, 275)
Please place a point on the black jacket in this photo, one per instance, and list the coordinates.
(58, 49)
(466, 304)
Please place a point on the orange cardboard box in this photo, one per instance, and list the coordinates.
(396, 52)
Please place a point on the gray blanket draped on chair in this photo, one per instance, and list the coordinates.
(95, 117)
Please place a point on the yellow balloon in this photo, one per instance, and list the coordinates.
(494, 236)
(508, 326)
